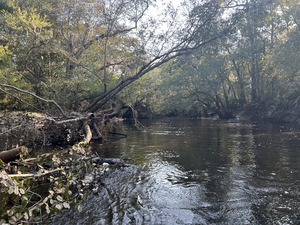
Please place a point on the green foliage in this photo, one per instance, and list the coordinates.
(64, 181)
(4, 52)
(73, 52)
(259, 63)
(29, 20)
(56, 50)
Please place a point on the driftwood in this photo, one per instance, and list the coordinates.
(78, 117)
(88, 133)
(11, 155)
(90, 121)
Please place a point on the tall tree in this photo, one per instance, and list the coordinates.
(203, 27)
(82, 52)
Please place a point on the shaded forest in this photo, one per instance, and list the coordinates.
(200, 59)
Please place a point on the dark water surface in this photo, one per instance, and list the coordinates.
(189, 171)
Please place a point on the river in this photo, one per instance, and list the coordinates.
(192, 171)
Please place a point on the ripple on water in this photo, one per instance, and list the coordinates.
(229, 174)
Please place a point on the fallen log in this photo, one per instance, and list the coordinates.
(79, 117)
(12, 154)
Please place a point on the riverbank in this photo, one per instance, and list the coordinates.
(263, 112)
(36, 130)
(51, 171)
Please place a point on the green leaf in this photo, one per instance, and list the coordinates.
(24, 203)
(27, 181)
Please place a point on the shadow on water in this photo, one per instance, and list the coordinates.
(188, 171)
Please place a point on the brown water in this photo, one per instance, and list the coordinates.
(189, 171)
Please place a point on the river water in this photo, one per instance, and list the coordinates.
(192, 171)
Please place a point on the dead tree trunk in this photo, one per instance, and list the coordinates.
(101, 119)
(88, 133)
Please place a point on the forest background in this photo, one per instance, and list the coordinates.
(202, 58)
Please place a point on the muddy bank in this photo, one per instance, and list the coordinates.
(35, 130)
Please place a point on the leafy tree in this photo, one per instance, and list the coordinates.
(84, 53)
(54, 46)
(244, 67)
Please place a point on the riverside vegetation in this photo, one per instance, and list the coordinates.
(82, 64)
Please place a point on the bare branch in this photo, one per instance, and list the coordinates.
(23, 101)
(35, 175)
(34, 95)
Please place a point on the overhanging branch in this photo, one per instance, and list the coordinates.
(34, 95)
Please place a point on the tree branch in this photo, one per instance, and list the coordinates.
(154, 63)
(35, 175)
(34, 95)
(25, 102)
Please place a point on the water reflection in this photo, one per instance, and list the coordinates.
(199, 172)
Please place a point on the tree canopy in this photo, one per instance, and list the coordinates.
(206, 57)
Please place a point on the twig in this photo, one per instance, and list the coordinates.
(29, 159)
(11, 129)
(37, 203)
(137, 123)
(34, 175)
